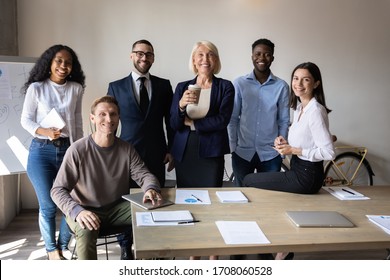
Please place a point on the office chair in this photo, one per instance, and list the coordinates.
(106, 235)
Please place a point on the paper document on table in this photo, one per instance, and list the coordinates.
(345, 193)
(231, 197)
(241, 232)
(172, 216)
(53, 119)
(145, 219)
(381, 220)
(192, 197)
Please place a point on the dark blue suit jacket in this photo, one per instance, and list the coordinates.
(146, 133)
(212, 129)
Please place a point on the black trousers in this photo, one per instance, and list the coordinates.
(305, 177)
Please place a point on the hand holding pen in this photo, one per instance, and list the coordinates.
(282, 147)
(279, 141)
(279, 144)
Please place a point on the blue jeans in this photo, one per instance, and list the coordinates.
(44, 160)
(241, 167)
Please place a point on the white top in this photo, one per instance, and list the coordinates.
(311, 132)
(41, 97)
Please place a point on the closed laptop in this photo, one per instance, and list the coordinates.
(137, 199)
(319, 219)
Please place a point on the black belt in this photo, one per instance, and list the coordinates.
(59, 142)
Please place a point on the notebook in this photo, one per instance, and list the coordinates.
(172, 216)
(231, 196)
(319, 219)
(137, 199)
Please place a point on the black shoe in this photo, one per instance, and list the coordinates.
(290, 256)
(268, 256)
(238, 257)
(126, 253)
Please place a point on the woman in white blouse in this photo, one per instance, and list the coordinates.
(309, 140)
(55, 82)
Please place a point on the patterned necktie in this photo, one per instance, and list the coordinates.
(144, 97)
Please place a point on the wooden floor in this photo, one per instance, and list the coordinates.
(21, 240)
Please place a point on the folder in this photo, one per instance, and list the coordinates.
(53, 119)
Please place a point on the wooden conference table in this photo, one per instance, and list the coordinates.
(268, 209)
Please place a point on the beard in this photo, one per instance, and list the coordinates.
(142, 69)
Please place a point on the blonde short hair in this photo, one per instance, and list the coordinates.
(104, 99)
(212, 48)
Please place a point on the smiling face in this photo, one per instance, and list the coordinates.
(143, 57)
(61, 66)
(262, 58)
(303, 84)
(105, 118)
(204, 60)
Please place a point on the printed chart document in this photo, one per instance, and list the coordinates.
(172, 216)
(345, 193)
(241, 232)
(192, 197)
(53, 119)
(231, 197)
(145, 219)
(381, 220)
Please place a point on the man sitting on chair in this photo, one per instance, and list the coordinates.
(95, 173)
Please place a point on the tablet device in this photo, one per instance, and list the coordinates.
(137, 199)
(319, 219)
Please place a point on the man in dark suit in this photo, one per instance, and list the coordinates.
(142, 118)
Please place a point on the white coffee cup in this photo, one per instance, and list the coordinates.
(196, 90)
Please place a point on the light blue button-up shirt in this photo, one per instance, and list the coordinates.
(261, 113)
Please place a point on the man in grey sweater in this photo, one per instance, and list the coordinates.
(95, 173)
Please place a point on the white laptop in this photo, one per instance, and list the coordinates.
(137, 199)
(319, 219)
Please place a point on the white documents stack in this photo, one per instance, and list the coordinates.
(231, 197)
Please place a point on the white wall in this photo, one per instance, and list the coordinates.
(348, 39)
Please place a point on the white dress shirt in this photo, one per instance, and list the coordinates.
(310, 131)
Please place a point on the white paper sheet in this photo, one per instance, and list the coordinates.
(192, 197)
(5, 83)
(241, 232)
(381, 220)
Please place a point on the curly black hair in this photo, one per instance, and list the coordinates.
(41, 69)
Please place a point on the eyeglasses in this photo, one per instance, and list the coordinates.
(141, 54)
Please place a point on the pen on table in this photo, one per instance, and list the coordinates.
(332, 190)
(348, 191)
(197, 198)
(188, 222)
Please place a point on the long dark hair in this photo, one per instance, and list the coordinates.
(41, 69)
(318, 92)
